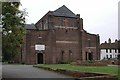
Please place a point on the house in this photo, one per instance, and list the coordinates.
(109, 50)
(0, 42)
(59, 37)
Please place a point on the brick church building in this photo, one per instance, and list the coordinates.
(61, 32)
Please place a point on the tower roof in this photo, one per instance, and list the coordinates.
(64, 11)
(30, 26)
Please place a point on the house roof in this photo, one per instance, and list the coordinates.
(30, 26)
(109, 45)
(64, 11)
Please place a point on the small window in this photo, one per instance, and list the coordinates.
(70, 51)
(110, 56)
(65, 22)
(118, 50)
(115, 50)
(110, 51)
(106, 50)
(88, 43)
(62, 53)
(107, 56)
(66, 31)
(42, 24)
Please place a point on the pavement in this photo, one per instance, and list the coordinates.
(24, 72)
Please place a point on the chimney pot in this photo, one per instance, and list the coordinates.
(109, 40)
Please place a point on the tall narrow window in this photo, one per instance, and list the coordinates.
(65, 23)
(62, 24)
(115, 50)
(110, 51)
(106, 50)
(107, 56)
(62, 53)
(46, 24)
(86, 55)
(89, 43)
(110, 56)
(70, 55)
(42, 24)
(118, 50)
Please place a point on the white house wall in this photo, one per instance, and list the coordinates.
(104, 54)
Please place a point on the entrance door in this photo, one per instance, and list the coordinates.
(90, 56)
(86, 57)
(40, 58)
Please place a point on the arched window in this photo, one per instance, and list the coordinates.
(65, 23)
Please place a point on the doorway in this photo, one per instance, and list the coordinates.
(40, 58)
(90, 57)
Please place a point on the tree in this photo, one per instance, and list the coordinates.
(13, 21)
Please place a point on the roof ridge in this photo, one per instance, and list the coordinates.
(64, 11)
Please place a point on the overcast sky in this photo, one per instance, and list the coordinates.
(99, 16)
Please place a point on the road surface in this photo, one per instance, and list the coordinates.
(30, 72)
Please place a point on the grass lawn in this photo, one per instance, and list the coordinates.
(99, 69)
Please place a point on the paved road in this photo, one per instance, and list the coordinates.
(27, 71)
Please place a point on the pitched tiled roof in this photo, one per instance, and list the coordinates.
(30, 26)
(109, 45)
(64, 11)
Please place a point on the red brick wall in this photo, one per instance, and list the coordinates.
(60, 21)
(68, 41)
(90, 41)
(59, 39)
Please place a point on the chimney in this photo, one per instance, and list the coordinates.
(116, 40)
(105, 41)
(78, 15)
(109, 40)
(81, 23)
